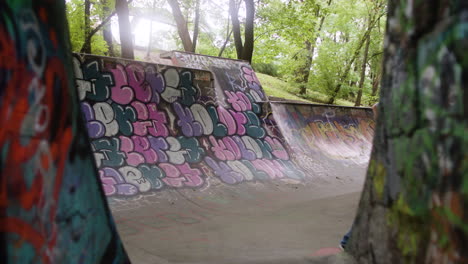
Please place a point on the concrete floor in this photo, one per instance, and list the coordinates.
(272, 222)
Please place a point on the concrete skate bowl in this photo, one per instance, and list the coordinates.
(195, 177)
(331, 141)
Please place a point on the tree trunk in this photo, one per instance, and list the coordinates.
(121, 7)
(148, 49)
(182, 28)
(414, 207)
(247, 51)
(353, 58)
(375, 83)
(310, 47)
(87, 28)
(106, 30)
(375, 17)
(363, 71)
(196, 25)
(303, 72)
(228, 36)
(355, 70)
(347, 69)
(234, 12)
(98, 27)
(150, 39)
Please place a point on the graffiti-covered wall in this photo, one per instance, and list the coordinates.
(328, 141)
(153, 127)
(340, 133)
(229, 74)
(52, 209)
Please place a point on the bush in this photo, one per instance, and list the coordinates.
(266, 68)
(370, 100)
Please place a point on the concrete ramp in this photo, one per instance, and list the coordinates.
(328, 141)
(197, 176)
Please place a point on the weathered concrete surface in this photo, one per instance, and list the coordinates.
(263, 224)
(341, 258)
(327, 141)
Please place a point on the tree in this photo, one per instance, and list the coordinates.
(82, 16)
(196, 25)
(244, 48)
(344, 74)
(247, 50)
(234, 14)
(313, 42)
(182, 28)
(375, 60)
(148, 49)
(189, 43)
(377, 12)
(304, 71)
(126, 39)
(363, 69)
(106, 29)
(415, 200)
(228, 36)
(87, 28)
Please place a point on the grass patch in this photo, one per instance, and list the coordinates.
(278, 88)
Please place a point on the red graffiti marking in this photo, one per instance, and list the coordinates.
(26, 232)
(33, 144)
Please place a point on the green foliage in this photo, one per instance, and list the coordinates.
(266, 68)
(369, 100)
(76, 18)
(284, 28)
(288, 90)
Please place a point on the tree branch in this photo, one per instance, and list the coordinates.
(103, 23)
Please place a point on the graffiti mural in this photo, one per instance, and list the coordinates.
(340, 133)
(230, 75)
(151, 129)
(52, 207)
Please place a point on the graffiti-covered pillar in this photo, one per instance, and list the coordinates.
(414, 208)
(52, 207)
